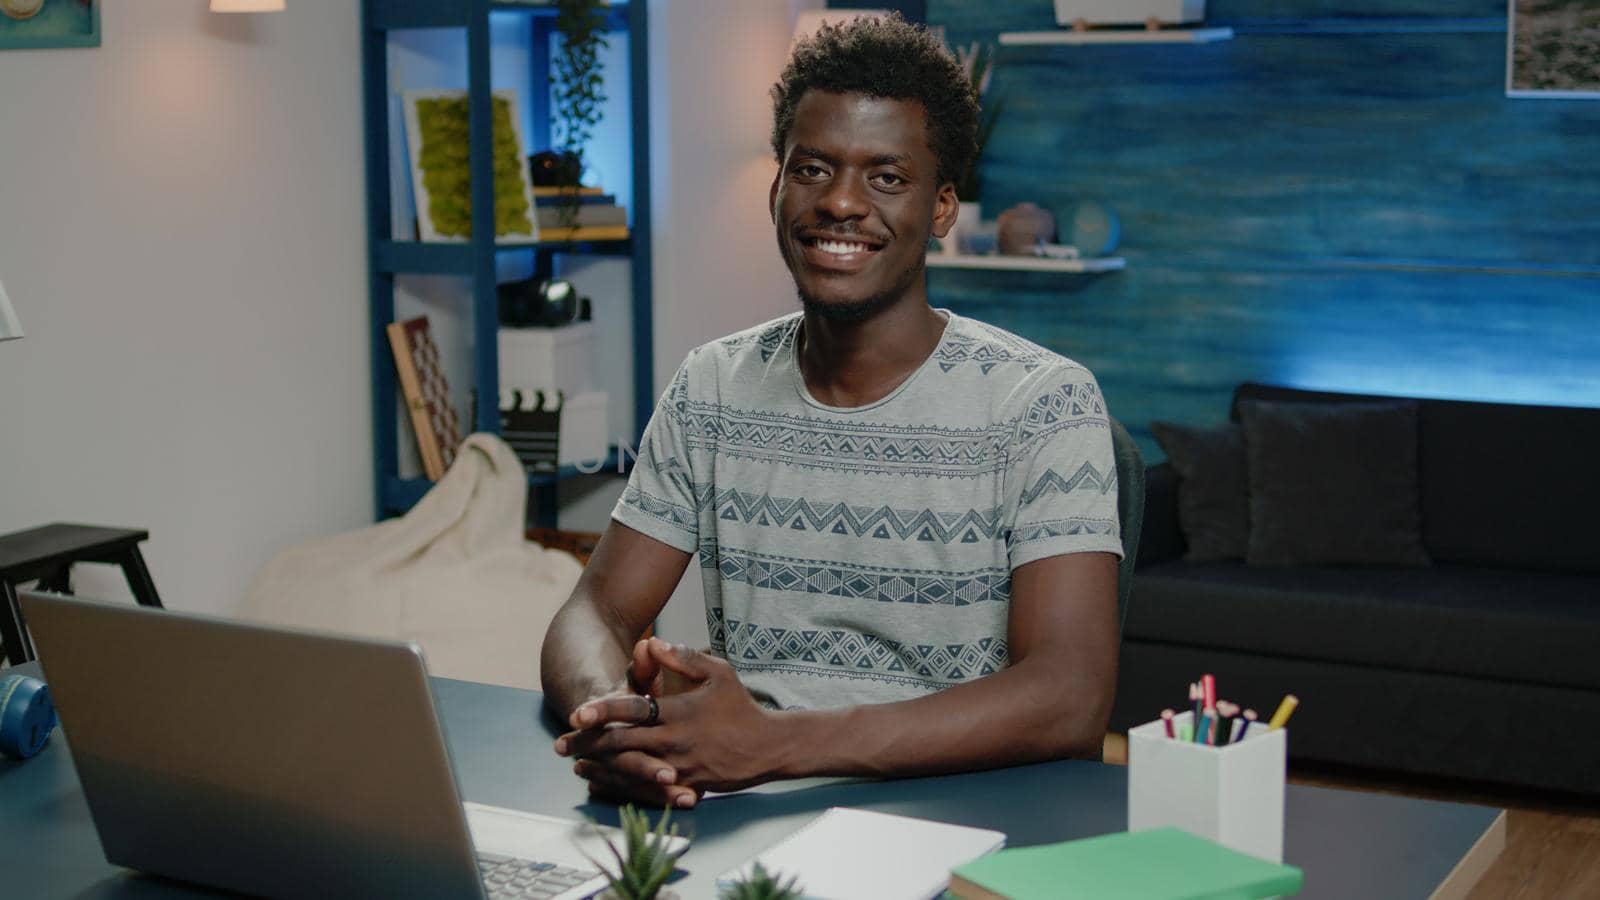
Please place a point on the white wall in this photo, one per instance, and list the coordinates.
(182, 233)
(717, 268)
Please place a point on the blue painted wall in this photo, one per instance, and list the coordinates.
(1341, 197)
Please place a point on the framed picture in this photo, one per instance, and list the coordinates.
(34, 24)
(1553, 49)
(436, 137)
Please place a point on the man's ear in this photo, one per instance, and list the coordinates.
(772, 196)
(945, 206)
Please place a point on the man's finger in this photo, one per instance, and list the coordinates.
(644, 673)
(683, 660)
(613, 784)
(628, 710)
(606, 741)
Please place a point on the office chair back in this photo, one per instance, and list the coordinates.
(1130, 511)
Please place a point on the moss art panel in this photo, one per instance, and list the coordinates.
(31, 24)
(1554, 49)
(437, 135)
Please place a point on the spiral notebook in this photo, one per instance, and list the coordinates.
(854, 854)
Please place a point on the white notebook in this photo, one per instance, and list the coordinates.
(853, 854)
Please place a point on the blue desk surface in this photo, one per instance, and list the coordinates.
(1349, 844)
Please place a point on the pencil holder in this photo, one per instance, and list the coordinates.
(1231, 794)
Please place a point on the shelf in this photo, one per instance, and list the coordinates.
(1027, 263)
(434, 258)
(399, 15)
(1116, 36)
(400, 494)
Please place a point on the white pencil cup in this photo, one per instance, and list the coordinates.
(1231, 794)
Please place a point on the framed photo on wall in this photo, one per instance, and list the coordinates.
(436, 139)
(38, 24)
(1553, 49)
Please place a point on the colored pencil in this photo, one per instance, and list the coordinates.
(1166, 719)
(1285, 710)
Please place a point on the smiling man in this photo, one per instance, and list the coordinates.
(906, 519)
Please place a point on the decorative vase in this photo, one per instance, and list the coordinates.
(968, 217)
(1024, 227)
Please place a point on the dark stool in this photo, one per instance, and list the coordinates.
(47, 554)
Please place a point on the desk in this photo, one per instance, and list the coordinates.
(1349, 844)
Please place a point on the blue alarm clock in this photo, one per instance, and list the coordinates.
(26, 716)
(1091, 227)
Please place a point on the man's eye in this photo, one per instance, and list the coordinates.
(888, 179)
(809, 171)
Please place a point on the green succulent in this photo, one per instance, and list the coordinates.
(645, 862)
(761, 885)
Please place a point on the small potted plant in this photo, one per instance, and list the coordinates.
(578, 84)
(646, 860)
(977, 60)
(761, 885)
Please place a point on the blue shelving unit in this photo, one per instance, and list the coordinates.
(389, 258)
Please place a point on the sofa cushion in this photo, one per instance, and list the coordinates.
(1501, 484)
(1537, 627)
(1213, 494)
(1333, 484)
(1511, 485)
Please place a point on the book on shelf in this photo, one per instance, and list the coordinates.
(552, 191)
(1158, 864)
(427, 394)
(583, 200)
(592, 216)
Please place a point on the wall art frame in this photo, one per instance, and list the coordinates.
(49, 24)
(1553, 49)
(436, 142)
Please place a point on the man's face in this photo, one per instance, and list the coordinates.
(855, 201)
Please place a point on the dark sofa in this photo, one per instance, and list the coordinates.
(1484, 665)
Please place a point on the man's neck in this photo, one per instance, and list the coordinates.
(848, 364)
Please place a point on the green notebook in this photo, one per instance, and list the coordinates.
(1160, 864)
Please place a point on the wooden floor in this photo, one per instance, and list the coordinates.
(1552, 843)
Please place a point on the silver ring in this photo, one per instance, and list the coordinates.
(654, 717)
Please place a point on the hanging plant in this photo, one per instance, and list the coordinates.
(578, 89)
(977, 60)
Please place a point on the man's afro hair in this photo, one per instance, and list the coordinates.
(890, 58)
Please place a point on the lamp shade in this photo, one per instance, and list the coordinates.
(9, 326)
(807, 23)
(246, 6)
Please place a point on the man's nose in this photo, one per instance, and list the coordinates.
(845, 198)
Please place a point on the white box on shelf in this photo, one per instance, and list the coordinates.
(548, 359)
(1129, 12)
(585, 429)
(1231, 794)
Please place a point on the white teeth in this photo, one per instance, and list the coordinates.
(841, 247)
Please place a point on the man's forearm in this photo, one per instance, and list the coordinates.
(1015, 716)
(582, 658)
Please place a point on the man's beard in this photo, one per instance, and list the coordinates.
(854, 311)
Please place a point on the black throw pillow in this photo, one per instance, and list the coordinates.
(1333, 483)
(1213, 493)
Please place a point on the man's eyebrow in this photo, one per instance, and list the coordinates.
(810, 153)
(891, 159)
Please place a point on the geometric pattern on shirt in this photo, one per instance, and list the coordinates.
(1087, 477)
(1068, 406)
(876, 448)
(881, 522)
(665, 510)
(863, 582)
(848, 653)
(1039, 531)
(985, 354)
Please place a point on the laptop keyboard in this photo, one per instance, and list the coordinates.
(509, 878)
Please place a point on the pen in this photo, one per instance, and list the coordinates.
(1249, 716)
(1166, 719)
(1285, 710)
(1194, 700)
(1225, 725)
(1208, 684)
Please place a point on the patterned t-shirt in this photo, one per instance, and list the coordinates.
(864, 555)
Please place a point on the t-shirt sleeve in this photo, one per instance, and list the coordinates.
(1061, 475)
(660, 497)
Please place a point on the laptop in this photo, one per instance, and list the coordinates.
(283, 763)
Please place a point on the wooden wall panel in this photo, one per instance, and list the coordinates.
(1353, 210)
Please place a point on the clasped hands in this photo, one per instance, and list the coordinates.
(708, 733)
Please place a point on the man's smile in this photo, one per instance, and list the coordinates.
(838, 252)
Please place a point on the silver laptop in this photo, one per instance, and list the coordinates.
(281, 763)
